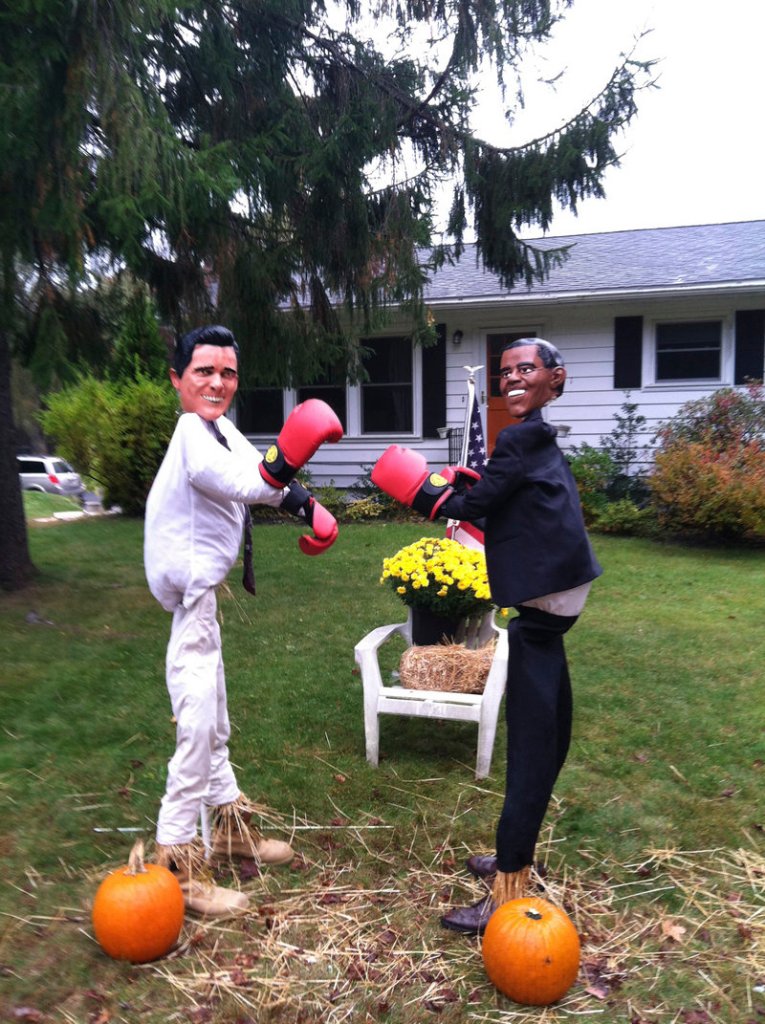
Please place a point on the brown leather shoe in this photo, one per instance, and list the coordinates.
(470, 920)
(482, 865)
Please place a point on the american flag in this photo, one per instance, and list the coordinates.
(468, 533)
(476, 446)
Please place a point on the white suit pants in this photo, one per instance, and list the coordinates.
(199, 771)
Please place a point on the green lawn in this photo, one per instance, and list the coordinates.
(39, 505)
(654, 843)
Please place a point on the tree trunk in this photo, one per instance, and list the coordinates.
(16, 569)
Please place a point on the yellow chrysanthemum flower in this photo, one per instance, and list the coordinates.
(439, 574)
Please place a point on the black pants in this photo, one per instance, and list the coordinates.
(538, 713)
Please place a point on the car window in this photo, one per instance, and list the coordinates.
(31, 466)
(59, 466)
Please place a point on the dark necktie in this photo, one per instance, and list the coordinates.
(248, 577)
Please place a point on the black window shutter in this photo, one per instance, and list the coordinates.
(750, 345)
(628, 352)
(434, 384)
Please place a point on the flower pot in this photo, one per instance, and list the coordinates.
(429, 628)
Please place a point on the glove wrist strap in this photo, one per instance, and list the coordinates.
(275, 467)
(296, 499)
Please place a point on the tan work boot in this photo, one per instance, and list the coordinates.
(235, 837)
(200, 895)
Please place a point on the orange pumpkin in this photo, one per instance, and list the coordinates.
(138, 910)
(531, 951)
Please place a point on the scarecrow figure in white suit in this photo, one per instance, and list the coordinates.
(196, 511)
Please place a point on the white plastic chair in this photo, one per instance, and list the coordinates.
(483, 708)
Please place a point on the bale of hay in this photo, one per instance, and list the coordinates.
(451, 667)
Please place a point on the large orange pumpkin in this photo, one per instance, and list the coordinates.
(531, 951)
(138, 910)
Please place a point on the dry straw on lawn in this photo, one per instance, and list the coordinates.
(332, 949)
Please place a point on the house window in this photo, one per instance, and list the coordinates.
(387, 396)
(260, 411)
(330, 388)
(688, 351)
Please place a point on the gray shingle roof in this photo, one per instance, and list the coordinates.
(624, 261)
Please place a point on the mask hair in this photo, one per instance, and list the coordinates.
(546, 351)
(212, 334)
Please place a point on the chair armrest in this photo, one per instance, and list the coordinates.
(365, 653)
(377, 637)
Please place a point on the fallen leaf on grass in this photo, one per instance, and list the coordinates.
(331, 897)
(248, 869)
(599, 991)
(696, 1017)
(673, 931)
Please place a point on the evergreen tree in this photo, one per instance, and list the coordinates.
(261, 144)
(139, 349)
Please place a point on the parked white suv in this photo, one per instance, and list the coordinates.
(49, 473)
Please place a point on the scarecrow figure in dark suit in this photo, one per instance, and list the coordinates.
(540, 563)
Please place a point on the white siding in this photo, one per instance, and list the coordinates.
(584, 332)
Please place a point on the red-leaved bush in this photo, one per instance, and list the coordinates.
(719, 494)
(726, 420)
(709, 472)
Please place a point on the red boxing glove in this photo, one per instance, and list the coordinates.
(404, 475)
(305, 429)
(460, 477)
(301, 503)
(324, 526)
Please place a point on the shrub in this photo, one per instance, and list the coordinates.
(717, 494)
(593, 470)
(624, 517)
(332, 498)
(116, 432)
(727, 419)
(361, 509)
(73, 419)
(624, 443)
(377, 501)
(709, 475)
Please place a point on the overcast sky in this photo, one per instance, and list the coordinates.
(695, 152)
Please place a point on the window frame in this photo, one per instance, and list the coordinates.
(414, 386)
(651, 353)
(340, 387)
(353, 396)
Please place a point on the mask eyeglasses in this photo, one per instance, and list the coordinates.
(525, 369)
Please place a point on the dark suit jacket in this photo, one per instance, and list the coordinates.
(535, 539)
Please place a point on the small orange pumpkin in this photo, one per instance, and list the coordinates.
(138, 910)
(531, 951)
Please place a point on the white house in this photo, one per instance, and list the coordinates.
(666, 315)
